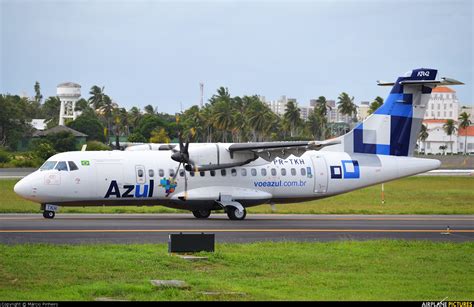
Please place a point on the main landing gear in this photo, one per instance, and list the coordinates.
(235, 213)
(202, 214)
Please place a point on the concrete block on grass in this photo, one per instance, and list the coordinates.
(169, 284)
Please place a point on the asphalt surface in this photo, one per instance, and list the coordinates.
(155, 228)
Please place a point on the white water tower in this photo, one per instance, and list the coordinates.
(69, 93)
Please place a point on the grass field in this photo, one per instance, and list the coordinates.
(414, 195)
(370, 270)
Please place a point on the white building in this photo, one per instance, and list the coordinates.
(334, 116)
(363, 110)
(69, 93)
(437, 137)
(443, 104)
(466, 136)
(278, 106)
(38, 123)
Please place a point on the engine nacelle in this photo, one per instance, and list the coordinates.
(204, 154)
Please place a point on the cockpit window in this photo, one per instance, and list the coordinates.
(72, 166)
(48, 165)
(61, 166)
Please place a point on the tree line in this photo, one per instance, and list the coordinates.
(224, 118)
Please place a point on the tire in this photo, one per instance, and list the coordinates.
(49, 214)
(234, 214)
(202, 214)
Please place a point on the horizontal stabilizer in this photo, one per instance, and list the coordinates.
(443, 81)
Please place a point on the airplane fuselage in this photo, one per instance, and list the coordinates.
(145, 178)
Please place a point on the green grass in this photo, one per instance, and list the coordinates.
(413, 195)
(346, 270)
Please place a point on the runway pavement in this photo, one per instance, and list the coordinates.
(155, 228)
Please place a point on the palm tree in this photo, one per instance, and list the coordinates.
(150, 110)
(314, 124)
(106, 112)
(321, 107)
(223, 119)
(464, 122)
(96, 99)
(222, 94)
(292, 116)
(260, 118)
(423, 135)
(134, 116)
(450, 127)
(377, 103)
(345, 105)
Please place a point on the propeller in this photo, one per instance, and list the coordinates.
(182, 157)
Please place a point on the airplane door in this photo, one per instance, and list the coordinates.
(320, 174)
(140, 174)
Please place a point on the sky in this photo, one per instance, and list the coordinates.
(157, 52)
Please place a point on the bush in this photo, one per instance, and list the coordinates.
(27, 159)
(4, 157)
(136, 138)
(89, 124)
(44, 150)
(62, 141)
(95, 145)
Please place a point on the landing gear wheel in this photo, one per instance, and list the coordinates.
(202, 214)
(49, 214)
(234, 214)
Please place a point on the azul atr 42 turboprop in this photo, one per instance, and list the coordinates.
(232, 176)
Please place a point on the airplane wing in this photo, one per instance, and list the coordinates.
(271, 150)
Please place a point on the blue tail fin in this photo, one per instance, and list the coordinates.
(393, 128)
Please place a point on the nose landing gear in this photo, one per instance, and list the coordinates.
(49, 211)
(48, 214)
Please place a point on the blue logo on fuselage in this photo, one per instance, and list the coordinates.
(138, 191)
(350, 170)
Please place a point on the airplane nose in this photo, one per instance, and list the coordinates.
(21, 188)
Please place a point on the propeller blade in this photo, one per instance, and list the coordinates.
(185, 186)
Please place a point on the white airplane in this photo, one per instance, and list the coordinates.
(202, 177)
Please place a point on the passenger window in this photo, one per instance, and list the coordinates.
(213, 173)
(244, 172)
(223, 172)
(274, 172)
(303, 172)
(171, 172)
(263, 171)
(253, 172)
(181, 172)
(202, 173)
(191, 173)
(61, 166)
(161, 173)
(233, 172)
(140, 173)
(72, 166)
(151, 173)
(293, 172)
(283, 171)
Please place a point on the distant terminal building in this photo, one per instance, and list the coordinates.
(278, 106)
(466, 136)
(334, 116)
(443, 104)
(69, 93)
(363, 110)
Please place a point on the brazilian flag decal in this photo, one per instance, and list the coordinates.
(85, 162)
